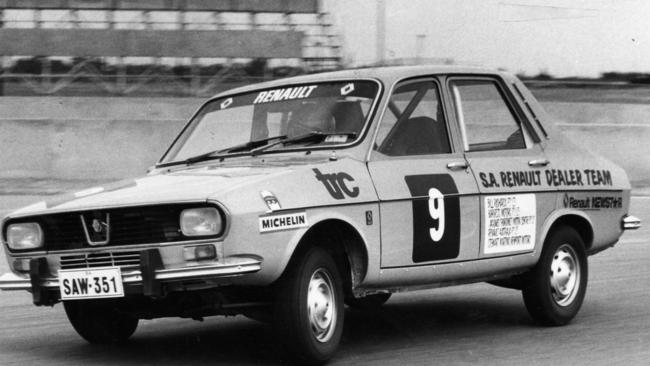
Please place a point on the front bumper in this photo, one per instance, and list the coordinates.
(13, 282)
(151, 277)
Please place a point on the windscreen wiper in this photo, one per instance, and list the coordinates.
(314, 136)
(236, 148)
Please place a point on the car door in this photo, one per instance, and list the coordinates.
(428, 198)
(506, 157)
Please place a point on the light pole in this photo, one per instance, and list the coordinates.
(419, 47)
(381, 31)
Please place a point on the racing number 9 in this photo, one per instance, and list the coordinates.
(436, 217)
(437, 212)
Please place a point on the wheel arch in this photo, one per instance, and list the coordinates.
(574, 219)
(344, 242)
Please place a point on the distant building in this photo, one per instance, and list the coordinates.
(195, 44)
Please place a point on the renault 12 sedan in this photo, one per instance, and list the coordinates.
(285, 200)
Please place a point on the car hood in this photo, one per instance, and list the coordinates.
(238, 187)
(197, 184)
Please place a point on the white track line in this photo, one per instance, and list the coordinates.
(602, 125)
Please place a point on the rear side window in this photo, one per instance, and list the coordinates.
(486, 120)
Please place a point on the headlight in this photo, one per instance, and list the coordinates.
(25, 235)
(202, 221)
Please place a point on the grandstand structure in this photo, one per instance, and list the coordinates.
(158, 47)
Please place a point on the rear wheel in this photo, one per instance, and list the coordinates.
(555, 288)
(308, 312)
(100, 321)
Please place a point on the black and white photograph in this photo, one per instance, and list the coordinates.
(311, 182)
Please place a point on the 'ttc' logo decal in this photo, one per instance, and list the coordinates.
(336, 184)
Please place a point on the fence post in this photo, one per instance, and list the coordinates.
(195, 81)
(3, 64)
(121, 76)
(46, 73)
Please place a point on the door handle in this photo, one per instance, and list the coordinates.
(538, 162)
(457, 165)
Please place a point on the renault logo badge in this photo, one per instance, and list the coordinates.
(98, 226)
(98, 231)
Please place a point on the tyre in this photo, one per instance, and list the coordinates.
(554, 289)
(100, 321)
(308, 309)
(368, 302)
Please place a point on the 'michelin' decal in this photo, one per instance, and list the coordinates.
(283, 222)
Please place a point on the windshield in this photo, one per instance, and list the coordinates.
(279, 118)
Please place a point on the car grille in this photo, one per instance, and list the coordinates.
(119, 226)
(94, 260)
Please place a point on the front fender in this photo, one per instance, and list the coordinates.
(285, 243)
(354, 216)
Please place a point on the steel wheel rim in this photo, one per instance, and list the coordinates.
(565, 275)
(321, 305)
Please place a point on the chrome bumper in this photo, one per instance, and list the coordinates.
(630, 222)
(234, 267)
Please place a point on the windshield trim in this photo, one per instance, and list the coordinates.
(362, 135)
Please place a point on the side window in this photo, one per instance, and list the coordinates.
(485, 119)
(413, 123)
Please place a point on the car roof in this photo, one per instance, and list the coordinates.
(384, 73)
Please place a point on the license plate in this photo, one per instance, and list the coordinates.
(90, 283)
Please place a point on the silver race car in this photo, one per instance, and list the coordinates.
(286, 200)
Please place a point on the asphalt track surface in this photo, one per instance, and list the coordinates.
(465, 325)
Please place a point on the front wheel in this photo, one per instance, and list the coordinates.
(100, 321)
(555, 288)
(308, 312)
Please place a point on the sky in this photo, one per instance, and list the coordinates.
(559, 37)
